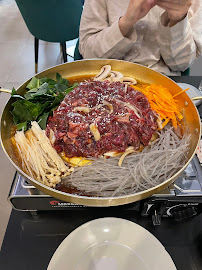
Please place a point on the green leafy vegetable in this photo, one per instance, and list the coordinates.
(42, 98)
(22, 126)
(15, 95)
(34, 83)
(70, 88)
(13, 92)
(43, 119)
(50, 82)
(25, 110)
(61, 80)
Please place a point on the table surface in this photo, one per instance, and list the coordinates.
(30, 241)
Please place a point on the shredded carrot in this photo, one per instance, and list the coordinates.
(162, 102)
(180, 92)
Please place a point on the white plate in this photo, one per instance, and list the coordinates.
(192, 92)
(111, 244)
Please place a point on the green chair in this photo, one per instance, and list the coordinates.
(52, 21)
(77, 55)
(186, 72)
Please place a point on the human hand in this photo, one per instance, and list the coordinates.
(176, 10)
(137, 9)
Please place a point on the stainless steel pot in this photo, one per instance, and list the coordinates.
(92, 67)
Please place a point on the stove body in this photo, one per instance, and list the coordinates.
(180, 200)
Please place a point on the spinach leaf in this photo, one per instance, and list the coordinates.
(42, 120)
(25, 110)
(22, 126)
(50, 82)
(42, 98)
(57, 100)
(14, 94)
(68, 90)
(45, 107)
(61, 87)
(61, 80)
(34, 83)
(43, 89)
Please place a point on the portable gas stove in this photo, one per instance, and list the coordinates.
(180, 200)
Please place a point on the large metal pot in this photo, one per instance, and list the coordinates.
(92, 67)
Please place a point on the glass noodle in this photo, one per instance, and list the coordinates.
(140, 171)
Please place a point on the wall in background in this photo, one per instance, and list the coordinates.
(196, 68)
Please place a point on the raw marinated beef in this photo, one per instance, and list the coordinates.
(97, 117)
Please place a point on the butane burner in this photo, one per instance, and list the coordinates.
(180, 200)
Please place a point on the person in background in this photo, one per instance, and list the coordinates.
(165, 35)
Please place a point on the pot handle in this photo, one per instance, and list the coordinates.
(5, 90)
(194, 98)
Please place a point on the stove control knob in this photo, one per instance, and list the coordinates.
(181, 213)
(158, 213)
(147, 209)
(156, 219)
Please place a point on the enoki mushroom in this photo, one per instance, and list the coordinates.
(38, 156)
